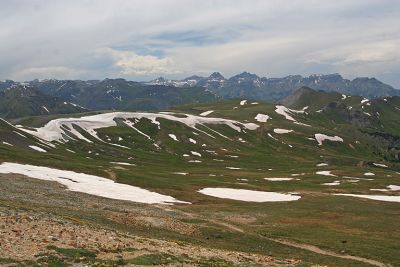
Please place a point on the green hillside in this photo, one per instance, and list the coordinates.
(21, 101)
(184, 150)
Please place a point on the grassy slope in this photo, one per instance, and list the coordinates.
(331, 222)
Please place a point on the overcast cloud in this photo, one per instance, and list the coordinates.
(139, 40)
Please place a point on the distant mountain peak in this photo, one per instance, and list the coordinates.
(245, 76)
(160, 79)
(216, 76)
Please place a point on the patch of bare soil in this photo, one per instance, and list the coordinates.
(25, 234)
(167, 223)
(240, 219)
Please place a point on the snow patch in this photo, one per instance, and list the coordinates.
(63, 129)
(270, 135)
(90, 184)
(332, 183)
(206, 113)
(287, 113)
(322, 164)
(173, 137)
(325, 173)
(181, 173)
(374, 197)
(380, 165)
(38, 149)
(261, 117)
(194, 153)
(389, 188)
(322, 137)
(46, 109)
(20, 134)
(278, 179)
(282, 131)
(248, 195)
(122, 163)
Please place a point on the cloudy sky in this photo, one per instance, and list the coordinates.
(139, 40)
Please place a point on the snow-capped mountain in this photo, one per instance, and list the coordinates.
(252, 86)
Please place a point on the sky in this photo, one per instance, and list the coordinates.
(141, 40)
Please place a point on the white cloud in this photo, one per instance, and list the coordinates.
(56, 72)
(132, 64)
(357, 53)
(111, 38)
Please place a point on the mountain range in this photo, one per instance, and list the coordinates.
(29, 98)
(34, 97)
(251, 86)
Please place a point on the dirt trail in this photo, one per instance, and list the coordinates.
(328, 253)
(214, 221)
(311, 248)
(227, 225)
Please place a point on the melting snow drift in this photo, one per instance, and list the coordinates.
(287, 113)
(374, 197)
(325, 173)
(280, 179)
(90, 184)
(38, 149)
(261, 117)
(206, 113)
(282, 131)
(63, 129)
(172, 136)
(248, 195)
(322, 137)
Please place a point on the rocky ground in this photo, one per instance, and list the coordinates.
(34, 237)
(40, 228)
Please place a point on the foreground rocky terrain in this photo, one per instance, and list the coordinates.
(33, 236)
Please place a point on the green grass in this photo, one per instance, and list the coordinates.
(73, 253)
(214, 262)
(7, 260)
(154, 259)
